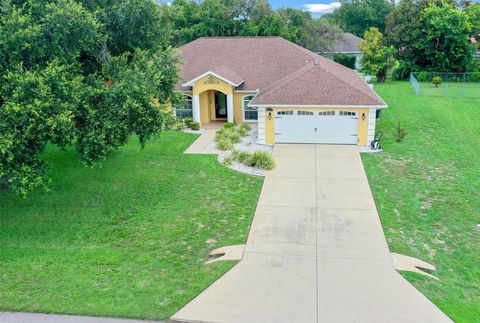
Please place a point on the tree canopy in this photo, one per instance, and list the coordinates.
(69, 75)
(431, 35)
(377, 58)
(358, 16)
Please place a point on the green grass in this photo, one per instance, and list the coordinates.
(427, 191)
(124, 239)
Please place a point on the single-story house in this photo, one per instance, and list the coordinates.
(347, 44)
(293, 94)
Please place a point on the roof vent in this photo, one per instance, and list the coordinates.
(316, 62)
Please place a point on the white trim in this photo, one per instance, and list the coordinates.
(230, 108)
(372, 120)
(246, 91)
(196, 108)
(261, 133)
(376, 94)
(319, 106)
(243, 108)
(192, 81)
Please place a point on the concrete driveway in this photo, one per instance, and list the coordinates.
(315, 253)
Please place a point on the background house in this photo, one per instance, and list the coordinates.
(347, 44)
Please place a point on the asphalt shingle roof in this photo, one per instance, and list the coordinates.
(347, 43)
(282, 72)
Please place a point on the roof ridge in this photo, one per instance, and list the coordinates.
(291, 77)
(287, 78)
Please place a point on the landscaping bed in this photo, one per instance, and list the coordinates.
(127, 238)
(240, 151)
(427, 189)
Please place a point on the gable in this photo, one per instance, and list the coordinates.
(210, 82)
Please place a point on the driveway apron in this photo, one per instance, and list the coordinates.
(316, 251)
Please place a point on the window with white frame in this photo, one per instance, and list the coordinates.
(249, 113)
(185, 109)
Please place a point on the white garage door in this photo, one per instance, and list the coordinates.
(322, 127)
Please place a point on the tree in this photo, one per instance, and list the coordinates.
(236, 17)
(60, 84)
(472, 9)
(320, 35)
(446, 39)
(357, 16)
(377, 58)
(408, 30)
(136, 24)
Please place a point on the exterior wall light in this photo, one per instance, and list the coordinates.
(270, 110)
(363, 116)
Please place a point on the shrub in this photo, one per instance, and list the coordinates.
(243, 157)
(228, 125)
(400, 132)
(345, 60)
(263, 160)
(169, 121)
(423, 77)
(475, 76)
(233, 135)
(402, 71)
(244, 129)
(220, 134)
(187, 121)
(224, 144)
(195, 125)
(180, 125)
(437, 80)
(228, 161)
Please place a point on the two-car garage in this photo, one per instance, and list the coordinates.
(316, 126)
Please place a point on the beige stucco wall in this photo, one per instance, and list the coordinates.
(210, 82)
(237, 105)
(362, 122)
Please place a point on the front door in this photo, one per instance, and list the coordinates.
(220, 105)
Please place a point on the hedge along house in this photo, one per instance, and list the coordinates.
(293, 94)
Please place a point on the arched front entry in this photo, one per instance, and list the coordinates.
(212, 100)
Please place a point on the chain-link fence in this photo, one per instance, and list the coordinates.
(446, 84)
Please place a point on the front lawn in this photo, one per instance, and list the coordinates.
(427, 191)
(127, 238)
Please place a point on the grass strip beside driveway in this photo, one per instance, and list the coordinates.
(427, 192)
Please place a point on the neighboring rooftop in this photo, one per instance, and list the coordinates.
(282, 72)
(346, 43)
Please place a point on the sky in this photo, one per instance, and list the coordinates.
(316, 7)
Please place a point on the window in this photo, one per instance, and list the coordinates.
(304, 113)
(186, 109)
(326, 113)
(348, 113)
(249, 113)
(285, 113)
